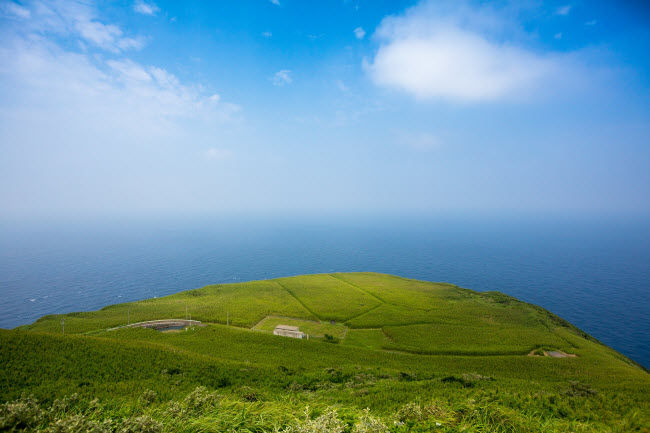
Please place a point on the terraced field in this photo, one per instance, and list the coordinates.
(421, 356)
(394, 313)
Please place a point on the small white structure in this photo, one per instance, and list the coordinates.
(288, 331)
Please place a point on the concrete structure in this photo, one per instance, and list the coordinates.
(162, 325)
(288, 331)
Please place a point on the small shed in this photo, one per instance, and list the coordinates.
(288, 331)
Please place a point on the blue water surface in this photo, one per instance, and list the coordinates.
(595, 273)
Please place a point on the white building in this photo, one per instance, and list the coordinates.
(288, 331)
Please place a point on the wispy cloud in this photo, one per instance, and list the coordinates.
(75, 19)
(558, 35)
(145, 8)
(275, 2)
(563, 10)
(267, 34)
(282, 78)
(359, 33)
(591, 23)
(12, 9)
(107, 36)
(455, 52)
(83, 95)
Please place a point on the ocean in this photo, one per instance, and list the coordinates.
(594, 273)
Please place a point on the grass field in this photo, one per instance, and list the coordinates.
(313, 328)
(420, 356)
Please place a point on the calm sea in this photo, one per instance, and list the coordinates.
(596, 274)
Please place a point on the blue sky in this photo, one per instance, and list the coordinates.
(339, 106)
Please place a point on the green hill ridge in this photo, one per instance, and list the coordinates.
(385, 353)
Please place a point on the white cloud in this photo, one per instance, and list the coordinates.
(128, 70)
(267, 34)
(108, 37)
(591, 23)
(142, 7)
(78, 19)
(455, 52)
(282, 77)
(563, 10)
(217, 154)
(275, 2)
(66, 94)
(359, 33)
(16, 10)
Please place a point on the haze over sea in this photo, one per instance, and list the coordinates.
(593, 273)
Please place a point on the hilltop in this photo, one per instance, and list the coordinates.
(418, 355)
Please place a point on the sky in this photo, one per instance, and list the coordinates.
(117, 108)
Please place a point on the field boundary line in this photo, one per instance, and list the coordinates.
(296, 298)
(358, 288)
(375, 296)
(362, 313)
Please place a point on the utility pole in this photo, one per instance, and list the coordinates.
(63, 326)
(186, 312)
(128, 316)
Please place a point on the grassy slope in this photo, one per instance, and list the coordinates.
(434, 336)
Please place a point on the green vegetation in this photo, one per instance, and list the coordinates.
(412, 356)
(312, 327)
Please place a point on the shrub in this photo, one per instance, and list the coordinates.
(23, 413)
(577, 389)
(79, 424)
(369, 424)
(148, 397)
(475, 377)
(331, 339)
(249, 394)
(174, 409)
(409, 412)
(199, 399)
(329, 422)
(141, 424)
(64, 404)
(406, 377)
(467, 380)
(413, 413)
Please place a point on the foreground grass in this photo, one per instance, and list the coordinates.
(418, 356)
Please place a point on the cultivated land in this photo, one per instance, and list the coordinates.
(419, 356)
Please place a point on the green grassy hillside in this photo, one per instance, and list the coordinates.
(385, 354)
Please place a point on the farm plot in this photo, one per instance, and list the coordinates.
(366, 338)
(387, 314)
(242, 304)
(328, 297)
(402, 291)
(469, 340)
(311, 327)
